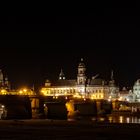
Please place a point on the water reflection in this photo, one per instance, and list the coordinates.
(120, 119)
(109, 119)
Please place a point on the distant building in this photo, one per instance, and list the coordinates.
(131, 95)
(136, 91)
(5, 88)
(4, 83)
(82, 87)
(124, 94)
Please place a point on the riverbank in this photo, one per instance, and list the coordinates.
(62, 129)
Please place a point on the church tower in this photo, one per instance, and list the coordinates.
(1, 78)
(112, 81)
(81, 77)
(7, 84)
(61, 75)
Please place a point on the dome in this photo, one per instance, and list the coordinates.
(137, 82)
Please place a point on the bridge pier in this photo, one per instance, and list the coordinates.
(35, 106)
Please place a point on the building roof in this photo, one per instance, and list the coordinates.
(98, 82)
(64, 83)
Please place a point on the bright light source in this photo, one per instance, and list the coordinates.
(21, 91)
(120, 99)
(2, 106)
(92, 97)
(3, 91)
(24, 90)
(127, 100)
(109, 100)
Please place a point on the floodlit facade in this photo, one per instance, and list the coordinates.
(134, 94)
(136, 91)
(131, 95)
(81, 87)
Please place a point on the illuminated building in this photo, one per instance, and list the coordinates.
(4, 83)
(82, 87)
(5, 88)
(23, 93)
(134, 94)
(131, 95)
(136, 91)
(123, 94)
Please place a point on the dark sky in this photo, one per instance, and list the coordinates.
(33, 48)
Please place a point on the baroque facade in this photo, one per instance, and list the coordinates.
(81, 87)
(134, 94)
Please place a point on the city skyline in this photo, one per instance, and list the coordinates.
(35, 48)
(54, 76)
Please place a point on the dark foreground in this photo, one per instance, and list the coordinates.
(66, 130)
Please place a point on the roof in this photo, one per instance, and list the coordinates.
(98, 82)
(64, 83)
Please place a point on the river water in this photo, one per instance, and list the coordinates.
(110, 119)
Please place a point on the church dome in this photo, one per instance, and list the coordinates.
(137, 82)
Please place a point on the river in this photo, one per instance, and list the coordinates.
(110, 119)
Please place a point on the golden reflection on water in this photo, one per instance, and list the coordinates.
(123, 119)
(101, 119)
(127, 120)
(110, 119)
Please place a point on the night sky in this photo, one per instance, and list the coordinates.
(35, 48)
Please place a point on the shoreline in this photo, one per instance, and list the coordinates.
(66, 130)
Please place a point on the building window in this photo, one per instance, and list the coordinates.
(80, 71)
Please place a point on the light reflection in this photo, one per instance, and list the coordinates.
(101, 119)
(127, 120)
(119, 119)
(110, 119)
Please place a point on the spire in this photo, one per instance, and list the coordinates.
(61, 75)
(112, 75)
(33, 87)
(112, 81)
(1, 76)
(6, 83)
(81, 64)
